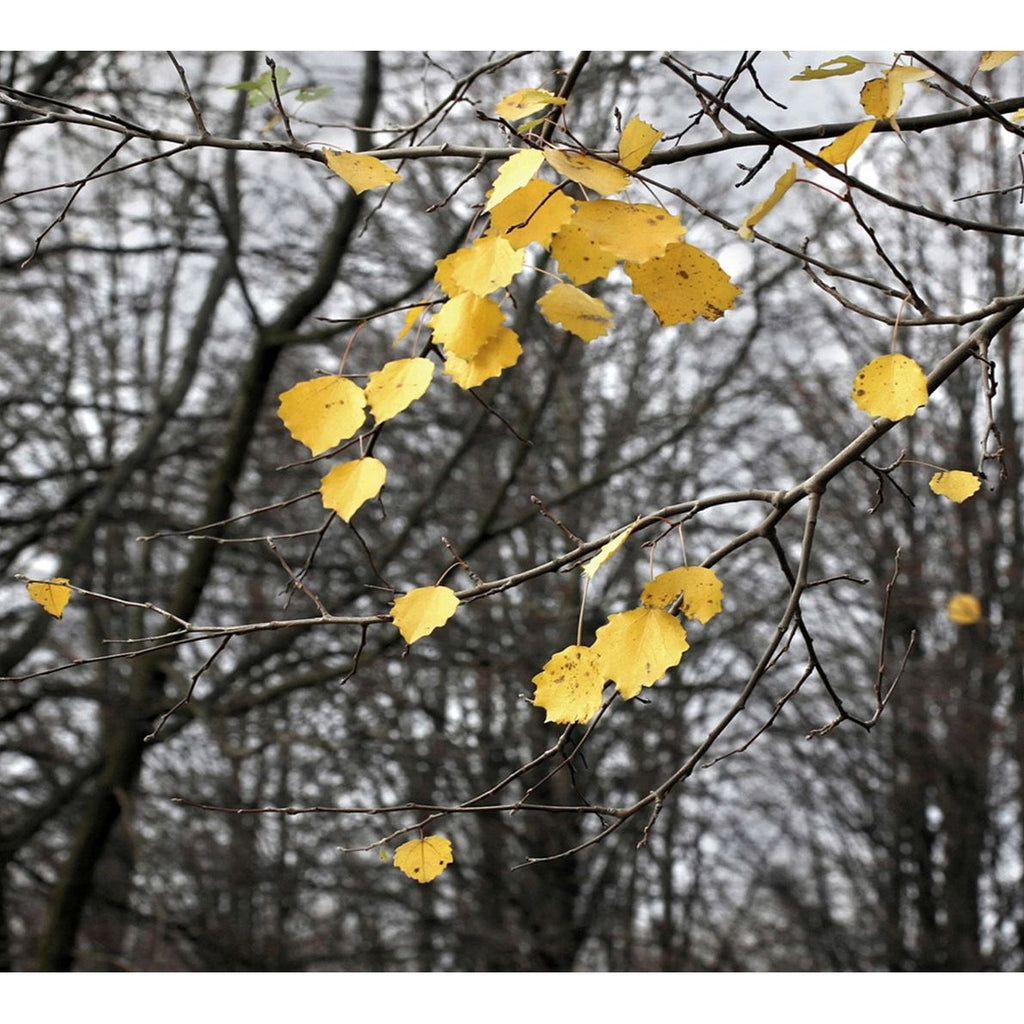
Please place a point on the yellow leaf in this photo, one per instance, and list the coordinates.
(845, 65)
(881, 97)
(423, 610)
(360, 170)
(424, 859)
(53, 595)
(464, 324)
(579, 257)
(481, 268)
(840, 151)
(607, 551)
(501, 351)
(411, 316)
(1017, 115)
(964, 609)
(630, 231)
(637, 141)
(891, 386)
(683, 284)
(322, 412)
(758, 213)
(636, 648)
(525, 102)
(992, 59)
(956, 484)
(396, 385)
(349, 486)
(598, 175)
(514, 173)
(569, 686)
(531, 214)
(587, 317)
(700, 589)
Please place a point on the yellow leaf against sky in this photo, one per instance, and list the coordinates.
(396, 385)
(683, 284)
(360, 170)
(964, 609)
(636, 648)
(630, 231)
(322, 412)
(598, 175)
(531, 214)
(992, 59)
(759, 212)
(481, 268)
(588, 318)
(882, 97)
(525, 102)
(464, 324)
(349, 486)
(956, 484)
(52, 595)
(607, 551)
(699, 587)
(637, 140)
(501, 351)
(579, 257)
(891, 386)
(569, 686)
(424, 859)
(514, 173)
(844, 65)
(423, 610)
(840, 151)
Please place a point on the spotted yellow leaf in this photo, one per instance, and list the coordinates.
(531, 214)
(992, 59)
(956, 484)
(630, 231)
(844, 65)
(637, 140)
(964, 609)
(424, 859)
(361, 171)
(607, 551)
(891, 386)
(840, 151)
(499, 352)
(423, 610)
(579, 257)
(322, 412)
(569, 686)
(396, 385)
(683, 284)
(481, 268)
(588, 318)
(346, 488)
(52, 595)
(699, 587)
(525, 102)
(463, 324)
(636, 648)
(763, 208)
(882, 97)
(514, 173)
(598, 175)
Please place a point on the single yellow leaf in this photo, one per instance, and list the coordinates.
(423, 610)
(683, 284)
(587, 317)
(514, 173)
(322, 412)
(396, 385)
(569, 686)
(882, 97)
(700, 589)
(964, 609)
(411, 316)
(360, 170)
(844, 65)
(463, 324)
(579, 257)
(630, 231)
(637, 140)
(840, 151)
(607, 551)
(1017, 115)
(531, 214)
(759, 212)
(525, 102)
(992, 59)
(349, 486)
(636, 648)
(501, 351)
(424, 859)
(598, 175)
(481, 268)
(891, 386)
(53, 595)
(956, 484)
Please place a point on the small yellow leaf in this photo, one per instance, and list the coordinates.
(588, 318)
(360, 170)
(840, 151)
(481, 268)
(845, 65)
(631, 231)
(349, 486)
(53, 595)
(569, 686)
(531, 214)
(882, 97)
(637, 141)
(638, 647)
(514, 173)
(579, 257)
(956, 484)
(992, 59)
(322, 412)
(759, 212)
(700, 589)
(598, 175)
(424, 859)
(683, 284)
(423, 610)
(501, 351)
(396, 385)
(525, 102)
(891, 386)
(607, 551)
(464, 324)
(964, 609)
(411, 316)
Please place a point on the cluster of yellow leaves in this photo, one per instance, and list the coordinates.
(424, 859)
(53, 595)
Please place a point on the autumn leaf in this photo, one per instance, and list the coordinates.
(683, 284)
(882, 97)
(423, 610)
(964, 609)
(992, 59)
(513, 174)
(361, 171)
(424, 859)
(956, 484)
(346, 488)
(499, 352)
(588, 318)
(52, 595)
(607, 551)
(845, 65)
(481, 268)
(579, 257)
(637, 140)
(411, 316)
(322, 412)
(763, 208)
(531, 214)
(463, 324)
(892, 386)
(631, 231)
(598, 175)
(636, 648)
(840, 151)
(699, 587)
(525, 102)
(569, 686)
(396, 385)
